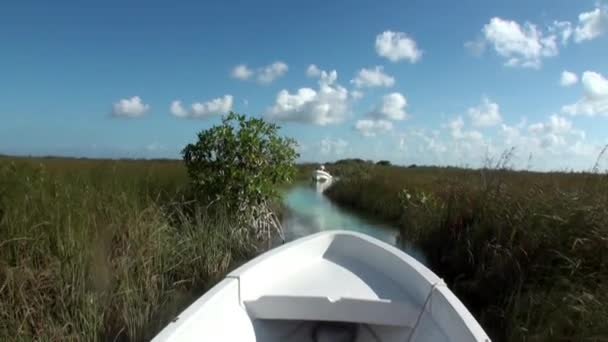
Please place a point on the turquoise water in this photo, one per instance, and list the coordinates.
(310, 212)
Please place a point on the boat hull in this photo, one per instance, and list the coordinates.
(321, 176)
(292, 292)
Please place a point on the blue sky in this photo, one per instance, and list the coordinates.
(448, 83)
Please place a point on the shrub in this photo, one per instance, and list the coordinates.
(240, 164)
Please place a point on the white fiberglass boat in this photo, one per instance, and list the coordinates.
(330, 286)
(321, 175)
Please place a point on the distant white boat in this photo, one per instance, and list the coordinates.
(330, 286)
(320, 175)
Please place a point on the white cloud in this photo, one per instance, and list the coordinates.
(263, 75)
(452, 145)
(568, 78)
(373, 78)
(370, 128)
(130, 107)
(271, 72)
(595, 96)
(380, 120)
(397, 46)
(333, 147)
(485, 114)
(554, 132)
(198, 110)
(527, 45)
(511, 134)
(457, 131)
(583, 149)
(176, 109)
(313, 71)
(522, 46)
(356, 94)
(431, 141)
(591, 24)
(563, 29)
(392, 108)
(551, 144)
(241, 72)
(556, 125)
(327, 105)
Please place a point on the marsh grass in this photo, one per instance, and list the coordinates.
(526, 252)
(103, 250)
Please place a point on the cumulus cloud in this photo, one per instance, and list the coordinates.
(568, 78)
(595, 96)
(130, 107)
(422, 142)
(511, 134)
(177, 109)
(591, 24)
(485, 114)
(271, 72)
(555, 131)
(198, 110)
(313, 71)
(522, 45)
(241, 72)
(263, 75)
(333, 146)
(458, 132)
(392, 108)
(327, 105)
(375, 77)
(369, 128)
(550, 144)
(397, 46)
(356, 94)
(453, 144)
(563, 29)
(526, 45)
(556, 124)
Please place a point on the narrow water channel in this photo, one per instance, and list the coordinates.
(310, 211)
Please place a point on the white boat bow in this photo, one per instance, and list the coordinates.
(371, 291)
(321, 175)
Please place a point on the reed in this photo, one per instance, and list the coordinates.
(526, 252)
(96, 250)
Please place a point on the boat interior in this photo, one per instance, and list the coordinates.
(330, 287)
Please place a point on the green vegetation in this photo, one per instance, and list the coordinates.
(113, 250)
(240, 164)
(240, 161)
(98, 250)
(526, 252)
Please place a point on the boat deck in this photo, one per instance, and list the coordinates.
(337, 279)
(327, 282)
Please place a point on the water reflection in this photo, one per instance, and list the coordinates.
(321, 186)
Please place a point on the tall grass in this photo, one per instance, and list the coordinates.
(526, 252)
(103, 250)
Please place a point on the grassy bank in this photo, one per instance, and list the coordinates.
(526, 252)
(103, 250)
